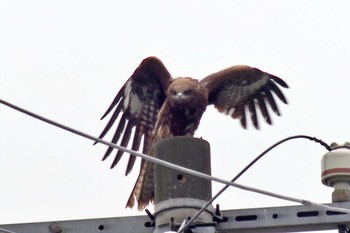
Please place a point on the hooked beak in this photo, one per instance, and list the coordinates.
(180, 97)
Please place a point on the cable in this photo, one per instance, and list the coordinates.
(341, 147)
(150, 158)
(329, 148)
(247, 167)
(6, 231)
(176, 167)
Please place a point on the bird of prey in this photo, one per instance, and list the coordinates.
(154, 105)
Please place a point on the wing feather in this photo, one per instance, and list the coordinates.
(243, 118)
(124, 142)
(252, 111)
(116, 136)
(135, 146)
(273, 87)
(263, 109)
(111, 121)
(272, 102)
(235, 89)
(138, 102)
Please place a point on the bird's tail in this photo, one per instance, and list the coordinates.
(143, 189)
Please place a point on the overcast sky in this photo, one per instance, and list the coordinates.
(66, 60)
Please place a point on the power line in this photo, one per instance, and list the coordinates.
(150, 158)
(179, 168)
(6, 231)
(246, 168)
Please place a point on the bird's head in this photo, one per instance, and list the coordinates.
(186, 90)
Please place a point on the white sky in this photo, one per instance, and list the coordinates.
(66, 60)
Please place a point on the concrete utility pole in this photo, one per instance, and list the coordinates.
(178, 196)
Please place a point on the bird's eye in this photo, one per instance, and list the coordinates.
(172, 92)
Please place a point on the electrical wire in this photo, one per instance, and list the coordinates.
(179, 168)
(6, 231)
(196, 215)
(150, 158)
(341, 147)
(322, 143)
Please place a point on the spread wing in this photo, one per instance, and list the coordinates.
(138, 102)
(238, 88)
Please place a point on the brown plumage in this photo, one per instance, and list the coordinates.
(157, 106)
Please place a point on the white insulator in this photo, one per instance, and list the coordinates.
(336, 173)
(336, 167)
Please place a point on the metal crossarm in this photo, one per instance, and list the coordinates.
(284, 219)
(271, 219)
